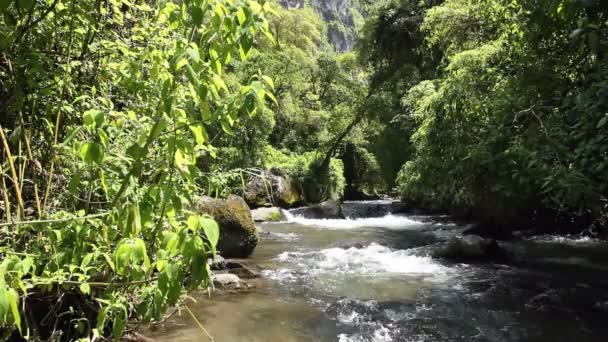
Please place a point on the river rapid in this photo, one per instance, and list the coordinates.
(372, 279)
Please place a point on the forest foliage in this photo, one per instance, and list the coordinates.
(503, 103)
(106, 107)
(116, 115)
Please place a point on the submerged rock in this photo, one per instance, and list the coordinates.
(331, 209)
(238, 234)
(240, 270)
(472, 248)
(546, 301)
(349, 245)
(366, 209)
(273, 214)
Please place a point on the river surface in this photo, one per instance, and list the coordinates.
(315, 288)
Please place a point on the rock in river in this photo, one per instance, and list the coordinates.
(472, 248)
(325, 210)
(273, 188)
(226, 281)
(273, 214)
(238, 235)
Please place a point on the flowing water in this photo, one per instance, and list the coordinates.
(371, 279)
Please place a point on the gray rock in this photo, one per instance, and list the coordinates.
(326, 210)
(226, 280)
(218, 264)
(240, 270)
(273, 214)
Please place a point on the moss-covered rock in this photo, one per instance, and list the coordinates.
(273, 188)
(273, 214)
(238, 234)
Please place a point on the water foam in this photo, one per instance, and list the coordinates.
(567, 240)
(389, 221)
(373, 259)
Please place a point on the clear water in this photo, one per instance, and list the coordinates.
(315, 288)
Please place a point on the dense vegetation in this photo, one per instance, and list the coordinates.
(106, 106)
(503, 103)
(117, 115)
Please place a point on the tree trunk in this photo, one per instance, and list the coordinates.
(358, 118)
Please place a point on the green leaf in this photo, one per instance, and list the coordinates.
(211, 229)
(170, 242)
(103, 136)
(85, 288)
(86, 260)
(197, 15)
(180, 64)
(199, 269)
(226, 126)
(122, 256)
(135, 151)
(93, 118)
(26, 265)
(133, 220)
(193, 222)
(13, 299)
(602, 122)
(74, 183)
(4, 302)
(240, 13)
(268, 81)
(271, 97)
(102, 316)
(92, 153)
(118, 324)
(194, 53)
(71, 135)
(200, 135)
(219, 83)
(205, 110)
(109, 261)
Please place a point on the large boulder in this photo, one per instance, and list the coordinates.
(272, 214)
(472, 248)
(272, 188)
(326, 210)
(238, 234)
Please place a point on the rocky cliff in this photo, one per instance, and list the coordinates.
(343, 18)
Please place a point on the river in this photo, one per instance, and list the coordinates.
(316, 287)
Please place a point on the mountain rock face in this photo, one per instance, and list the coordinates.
(343, 18)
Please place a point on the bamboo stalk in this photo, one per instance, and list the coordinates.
(49, 183)
(7, 202)
(30, 157)
(14, 176)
